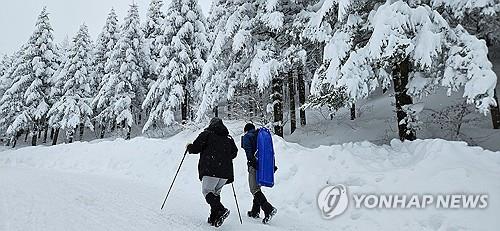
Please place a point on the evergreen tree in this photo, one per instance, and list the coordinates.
(481, 18)
(8, 107)
(74, 85)
(62, 51)
(261, 40)
(31, 80)
(183, 55)
(5, 72)
(153, 34)
(105, 44)
(123, 90)
(5, 63)
(106, 41)
(219, 76)
(413, 48)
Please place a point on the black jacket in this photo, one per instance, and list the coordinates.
(217, 151)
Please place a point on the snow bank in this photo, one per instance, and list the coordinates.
(422, 166)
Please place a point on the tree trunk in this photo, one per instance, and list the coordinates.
(495, 113)
(139, 121)
(26, 136)
(277, 98)
(56, 135)
(216, 111)
(302, 94)
(46, 130)
(16, 137)
(128, 132)
(70, 135)
(103, 129)
(353, 111)
(402, 98)
(52, 133)
(14, 142)
(185, 107)
(34, 135)
(291, 92)
(82, 130)
(253, 108)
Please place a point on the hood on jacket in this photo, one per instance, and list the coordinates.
(218, 127)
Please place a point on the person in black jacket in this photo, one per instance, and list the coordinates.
(249, 143)
(215, 167)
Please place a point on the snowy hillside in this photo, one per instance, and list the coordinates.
(119, 185)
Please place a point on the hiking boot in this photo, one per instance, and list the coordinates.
(255, 212)
(220, 216)
(269, 216)
(269, 210)
(215, 208)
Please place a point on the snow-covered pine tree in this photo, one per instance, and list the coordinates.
(153, 35)
(297, 58)
(5, 72)
(74, 85)
(255, 43)
(220, 75)
(122, 93)
(30, 80)
(312, 46)
(217, 16)
(105, 44)
(480, 18)
(183, 54)
(62, 52)
(8, 107)
(323, 26)
(416, 49)
(5, 63)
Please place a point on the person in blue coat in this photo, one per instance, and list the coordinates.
(249, 144)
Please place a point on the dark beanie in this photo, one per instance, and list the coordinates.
(248, 127)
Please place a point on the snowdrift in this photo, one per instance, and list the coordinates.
(422, 166)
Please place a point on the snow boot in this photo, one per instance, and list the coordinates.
(217, 211)
(269, 210)
(255, 212)
(221, 216)
(269, 215)
(213, 212)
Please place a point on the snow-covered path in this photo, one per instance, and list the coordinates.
(40, 199)
(34, 199)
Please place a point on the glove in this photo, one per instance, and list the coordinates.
(188, 146)
(275, 168)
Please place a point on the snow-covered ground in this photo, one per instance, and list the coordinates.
(119, 185)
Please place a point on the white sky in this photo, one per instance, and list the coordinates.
(18, 17)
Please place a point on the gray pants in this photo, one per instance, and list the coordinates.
(213, 185)
(252, 180)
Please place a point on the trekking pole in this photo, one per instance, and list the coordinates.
(178, 169)
(237, 206)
